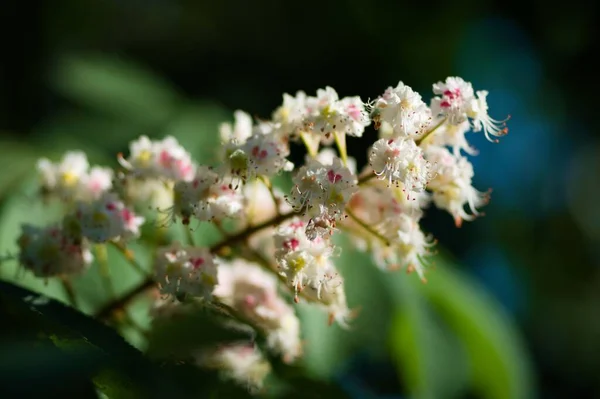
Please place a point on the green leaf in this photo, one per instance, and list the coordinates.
(56, 343)
(429, 357)
(499, 363)
(87, 350)
(196, 126)
(190, 332)
(16, 163)
(101, 138)
(115, 86)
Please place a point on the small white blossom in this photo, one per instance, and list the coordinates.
(50, 251)
(408, 251)
(451, 186)
(400, 161)
(453, 100)
(290, 115)
(322, 192)
(260, 155)
(379, 207)
(259, 205)
(206, 197)
(64, 178)
(185, 270)
(317, 184)
(141, 192)
(403, 110)
(97, 182)
(240, 131)
(253, 292)
(302, 261)
(327, 114)
(107, 218)
(164, 159)
(353, 118)
(453, 136)
(327, 155)
(478, 112)
(308, 188)
(243, 363)
(223, 201)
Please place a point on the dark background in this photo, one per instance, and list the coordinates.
(537, 248)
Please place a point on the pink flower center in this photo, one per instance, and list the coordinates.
(297, 225)
(184, 168)
(452, 94)
(250, 301)
(354, 112)
(95, 185)
(258, 153)
(165, 158)
(127, 215)
(291, 244)
(333, 177)
(197, 262)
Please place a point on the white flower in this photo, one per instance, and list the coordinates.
(206, 197)
(448, 168)
(185, 270)
(142, 153)
(478, 112)
(266, 155)
(259, 205)
(308, 190)
(412, 245)
(400, 161)
(451, 186)
(107, 218)
(453, 199)
(328, 185)
(322, 192)
(164, 159)
(65, 177)
(403, 110)
(187, 195)
(97, 182)
(452, 136)
(151, 192)
(455, 96)
(223, 201)
(290, 115)
(407, 250)
(243, 363)
(290, 236)
(241, 129)
(301, 260)
(353, 118)
(380, 207)
(50, 251)
(327, 155)
(327, 114)
(253, 293)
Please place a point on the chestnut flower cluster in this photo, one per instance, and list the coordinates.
(280, 250)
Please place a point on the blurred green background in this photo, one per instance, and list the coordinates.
(517, 314)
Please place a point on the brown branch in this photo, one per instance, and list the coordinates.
(123, 301)
(244, 234)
